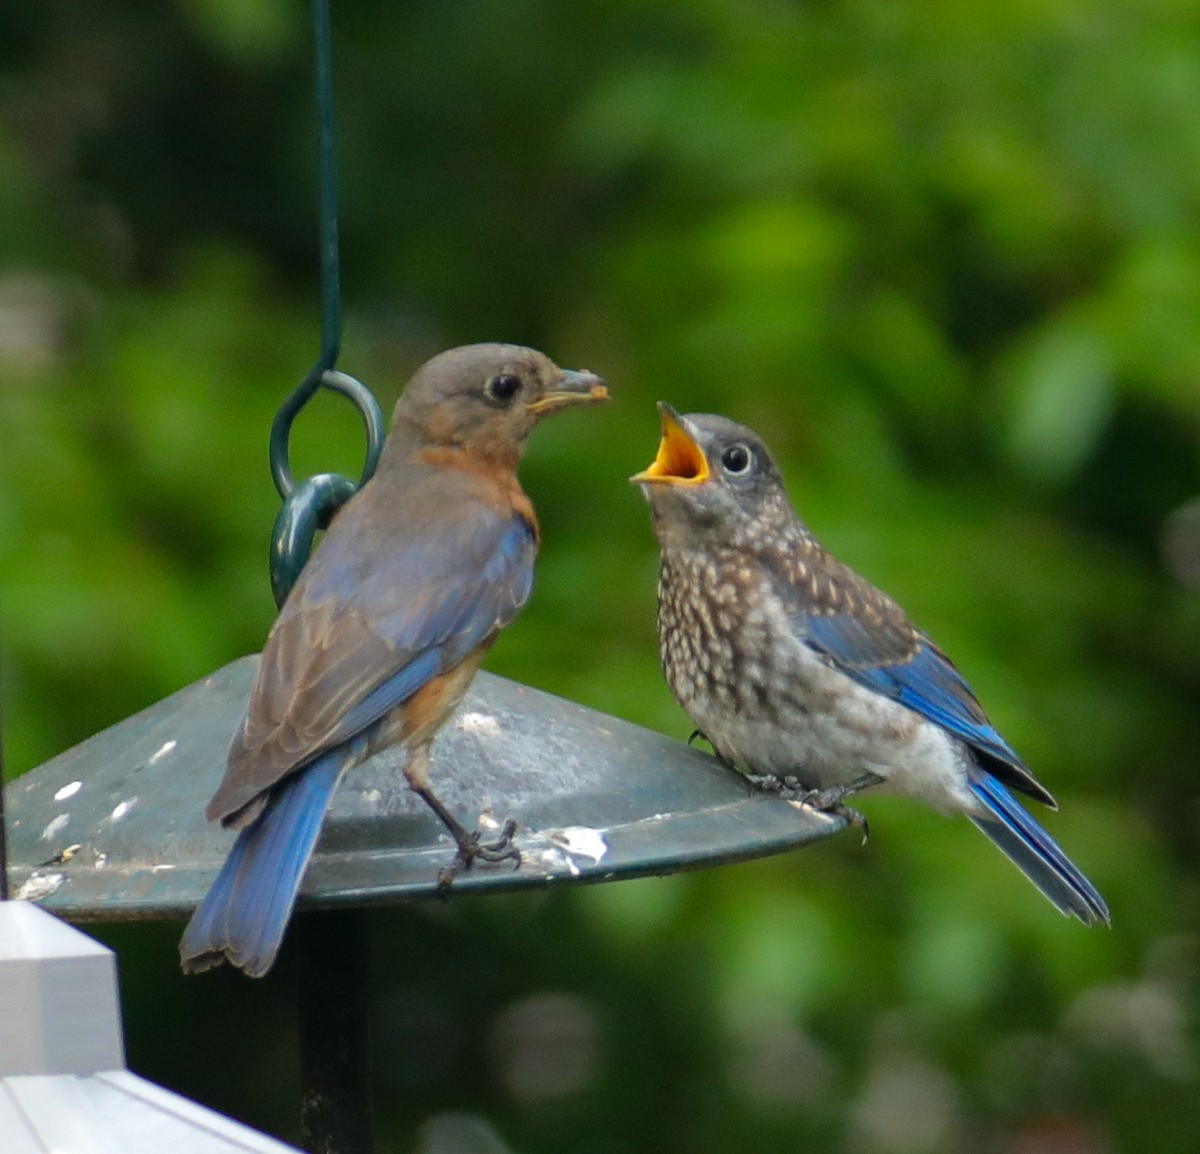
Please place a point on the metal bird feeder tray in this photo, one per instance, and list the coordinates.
(114, 830)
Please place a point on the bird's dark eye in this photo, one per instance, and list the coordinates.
(503, 387)
(736, 459)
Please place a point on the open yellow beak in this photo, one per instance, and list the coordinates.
(572, 388)
(680, 461)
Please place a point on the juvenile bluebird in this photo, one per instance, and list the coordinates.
(807, 678)
(382, 633)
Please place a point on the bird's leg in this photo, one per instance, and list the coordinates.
(828, 800)
(700, 735)
(791, 788)
(470, 848)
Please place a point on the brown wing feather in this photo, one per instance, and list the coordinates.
(323, 656)
(310, 676)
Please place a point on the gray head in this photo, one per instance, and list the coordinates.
(714, 480)
(487, 398)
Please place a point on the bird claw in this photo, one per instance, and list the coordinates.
(790, 788)
(854, 818)
(471, 850)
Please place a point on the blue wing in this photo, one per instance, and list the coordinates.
(1033, 851)
(926, 681)
(380, 610)
(464, 613)
(246, 910)
(866, 635)
(929, 684)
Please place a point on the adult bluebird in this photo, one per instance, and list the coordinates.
(382, 633)
(806, 677)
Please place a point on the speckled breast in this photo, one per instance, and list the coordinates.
(715, 640)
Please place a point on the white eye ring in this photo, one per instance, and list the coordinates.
(736, 459)
(503, 387)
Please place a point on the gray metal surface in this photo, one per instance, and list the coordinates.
(114, 828)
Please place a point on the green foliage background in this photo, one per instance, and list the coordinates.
(945, 256)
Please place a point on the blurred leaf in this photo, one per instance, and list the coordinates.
(1060, 394)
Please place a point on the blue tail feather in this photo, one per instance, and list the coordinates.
(243, 916)
(1035, 853)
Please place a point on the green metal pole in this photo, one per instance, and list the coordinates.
(331, 285)
(335, 1058)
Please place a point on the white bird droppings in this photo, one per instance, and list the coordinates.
(122, 808)
(55, 825)
(68, 790)
(38, 886)
(580, 841)
(479, 723)
(161, 752)
(560, 847)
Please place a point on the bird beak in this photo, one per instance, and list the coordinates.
(571, 388)
(680, 460)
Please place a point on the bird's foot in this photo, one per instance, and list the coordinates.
(471, 849)
(791, 788)
(855, 819)
(470, 846)
(697, 733)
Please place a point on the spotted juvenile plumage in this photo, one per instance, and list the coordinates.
(797, 669)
